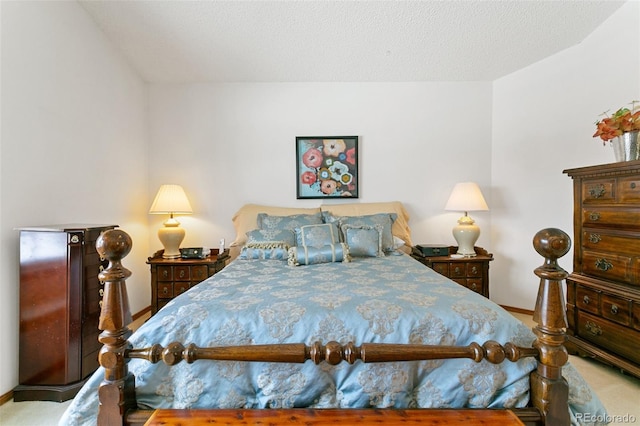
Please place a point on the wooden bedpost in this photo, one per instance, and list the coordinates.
(116, 391)
(549, 390)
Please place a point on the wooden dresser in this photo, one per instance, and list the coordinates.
(171, 277)
(60, 297)
(470, 272)
(603, 292)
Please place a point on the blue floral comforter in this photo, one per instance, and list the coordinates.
(391, 299)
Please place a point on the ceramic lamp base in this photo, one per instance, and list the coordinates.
(171, 237)
(466, 233)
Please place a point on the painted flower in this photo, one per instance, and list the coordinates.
(312, 158)
(338, 169)
(333, 147)
(324, 173)
(328, 186)
(346, 178)
(351, 156)
(308, 178)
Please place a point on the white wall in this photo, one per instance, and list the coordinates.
(543, 119)
(231, 144)
(73, 144)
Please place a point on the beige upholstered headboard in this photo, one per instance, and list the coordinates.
(245, 218)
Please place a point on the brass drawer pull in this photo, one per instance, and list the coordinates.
(603, 264)
(594, 238)
(597, 191)
(457, 270)
(614, 309)
(594, 216)
(593, 328)
(165, 291)
(474, 270)
(586, 300)
(101, 292)
(633, 185)
(182, 274)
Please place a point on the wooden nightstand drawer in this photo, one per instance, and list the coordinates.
(172, 277)
(441, 268)
(182, 273)
(470, 272)
(165, 273)
(181, 287)
(165, 290)
(457, 270)
(199, 272)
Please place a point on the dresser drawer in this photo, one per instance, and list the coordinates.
(471, 284)
(611, 217)
(629, 189)
(458, 270)
(165, 290)
(199, 272)
(165, 273)
(608, 266)
(616, 309)
(635, 313)
(598, 191)
(587, 299)
(182, 273)
(605, 241)
(622, 340)
(441, 268)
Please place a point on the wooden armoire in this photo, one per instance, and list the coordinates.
(60, 298)
(603, 291)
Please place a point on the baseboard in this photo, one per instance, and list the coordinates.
(517, 310)
(141, 313)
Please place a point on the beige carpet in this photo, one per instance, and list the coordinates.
(619, 393)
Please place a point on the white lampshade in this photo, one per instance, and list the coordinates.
(171, 199)
(466, 197)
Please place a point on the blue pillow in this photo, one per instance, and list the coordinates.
(274, 250)
(268, 222)
(317, 235)
(307, 255)
(383, 219)
(270, 235)
(363, 240)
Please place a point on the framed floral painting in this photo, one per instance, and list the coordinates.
(327, 166)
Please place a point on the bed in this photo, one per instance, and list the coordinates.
(323, 310)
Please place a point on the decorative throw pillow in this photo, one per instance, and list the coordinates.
(268, 222)
(383, 219)
(270, 235)
(307, 255)
(272, 250)
(317, 235)
(363, 240)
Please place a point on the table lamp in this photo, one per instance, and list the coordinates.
(171, 199)
(466, 197)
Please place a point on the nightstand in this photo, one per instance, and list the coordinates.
(171, 277)
(470, 272)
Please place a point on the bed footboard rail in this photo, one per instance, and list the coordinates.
(549, 390)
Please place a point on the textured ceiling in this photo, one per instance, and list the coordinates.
(303, 41)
